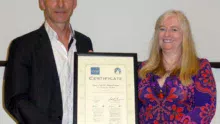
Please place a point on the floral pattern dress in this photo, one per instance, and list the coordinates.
(174, 103)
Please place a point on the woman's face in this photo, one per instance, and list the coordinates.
(170, 35)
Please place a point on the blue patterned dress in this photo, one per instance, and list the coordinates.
(177, 104)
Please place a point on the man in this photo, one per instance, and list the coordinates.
(39, 72)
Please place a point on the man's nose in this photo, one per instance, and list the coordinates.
(60, 3)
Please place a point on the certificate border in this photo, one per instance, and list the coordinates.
(135, 64)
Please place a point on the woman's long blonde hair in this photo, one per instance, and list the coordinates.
(189, 61)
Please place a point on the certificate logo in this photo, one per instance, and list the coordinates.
(117, 71)
(95, 70)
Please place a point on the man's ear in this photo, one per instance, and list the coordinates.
(74, 4)
(42, 4)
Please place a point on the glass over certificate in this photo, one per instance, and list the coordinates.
(104, 90)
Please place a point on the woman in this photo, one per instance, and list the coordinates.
(175, 86)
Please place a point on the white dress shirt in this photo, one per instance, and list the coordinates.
(65, 66)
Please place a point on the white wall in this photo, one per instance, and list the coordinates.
(216, 73)
(115, 25)
(118, 25)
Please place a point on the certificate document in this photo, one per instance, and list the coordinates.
(105, 91)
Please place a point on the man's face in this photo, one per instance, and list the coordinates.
(58, 11)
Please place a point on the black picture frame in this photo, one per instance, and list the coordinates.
(104, 55)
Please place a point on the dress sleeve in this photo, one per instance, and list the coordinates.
(141, 84)
(205, 96)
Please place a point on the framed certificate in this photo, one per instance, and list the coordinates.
(105, 90)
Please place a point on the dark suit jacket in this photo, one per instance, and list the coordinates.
(32, 87)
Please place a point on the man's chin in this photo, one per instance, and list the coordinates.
(61, 21)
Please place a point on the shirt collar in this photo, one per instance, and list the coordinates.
(53, 35)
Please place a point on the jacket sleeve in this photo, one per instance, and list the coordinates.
(83, 43)
(90, 44)
(16, 88)
(205, 96)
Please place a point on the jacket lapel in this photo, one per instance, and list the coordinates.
(46, 48)
(45, 52)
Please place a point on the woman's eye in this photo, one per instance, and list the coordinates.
(162, 29)
(174, 29)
